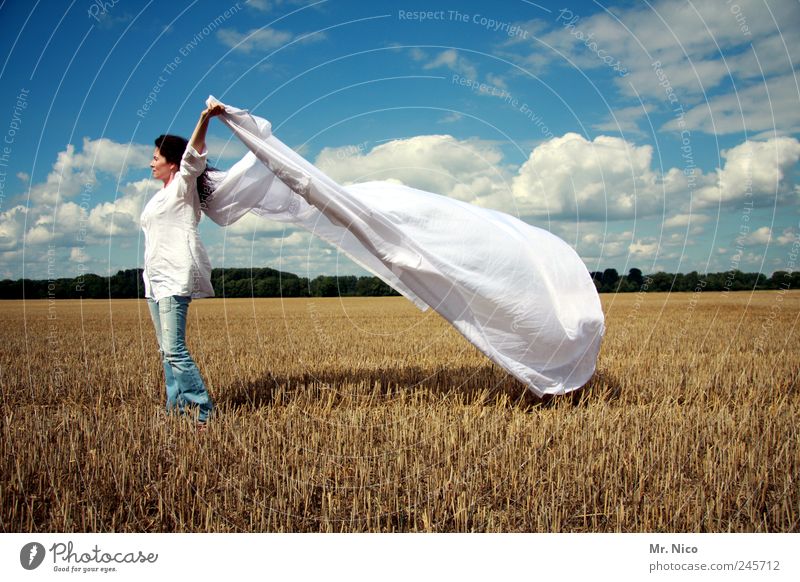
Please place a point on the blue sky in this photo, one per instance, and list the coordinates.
(660, 135)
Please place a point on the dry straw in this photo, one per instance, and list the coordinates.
(367, 415)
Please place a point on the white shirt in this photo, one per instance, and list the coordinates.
(175, 260)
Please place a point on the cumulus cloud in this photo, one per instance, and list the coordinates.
(295, 251)
(54, 218)
(79, 255)
(787, 237)
(570, 177)
(604, 244)
(754, 170)
(643, 249)
(764, 236)
(121, 216)
(75, 171)
(608, 177)
(683, 220)
(12, 227)
(469, 170)
(567, 180)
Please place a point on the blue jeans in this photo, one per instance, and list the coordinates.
(185, 386)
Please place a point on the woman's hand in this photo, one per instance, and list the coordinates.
(213, 111)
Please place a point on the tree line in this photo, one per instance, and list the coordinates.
(609, 281)
(266, 282)
(227, 282)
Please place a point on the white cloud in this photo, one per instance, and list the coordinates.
(263, 5)
(223, 150)
(466, 73)
(269, 5)
(625, 120)
(567, 176)
(55, 225)
(74, 172)
(760, 236)
(297, 252)
(121, 216)
(78, 255)
(643, 249)
(12, 227)
(603, 244)
(696, 51)
(764, 236)
(754, 170)
(251, 226)
(683, 220)
(564, 179)
(254, 39)
(469, 170)
(787, 237)
(773, 105)
(687, 40)
(263, 39)
(451, 118)
(570, 176)
(454, 61)
(55, 219)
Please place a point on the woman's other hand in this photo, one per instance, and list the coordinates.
(214, 110)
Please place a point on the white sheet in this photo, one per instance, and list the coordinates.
(519, 293)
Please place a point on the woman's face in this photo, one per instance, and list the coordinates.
(162, 169)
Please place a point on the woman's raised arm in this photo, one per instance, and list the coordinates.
(198, 139)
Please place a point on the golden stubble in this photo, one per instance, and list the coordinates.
(364, 414)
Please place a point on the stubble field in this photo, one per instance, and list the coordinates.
(367, 415)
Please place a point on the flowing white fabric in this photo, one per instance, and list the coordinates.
(518, 293)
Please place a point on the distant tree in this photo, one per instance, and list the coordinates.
(373, 287)
(635, 278)
(324, 286)
(126, 284)
(10, 289)
(780, 280)
(661, 282)
(715, 281)
(626, 286)
(347, 285)
(692, 281)
(610, 280)
(295, 287)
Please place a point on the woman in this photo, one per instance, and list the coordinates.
(176, 266)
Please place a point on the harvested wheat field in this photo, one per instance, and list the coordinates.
(364, 414)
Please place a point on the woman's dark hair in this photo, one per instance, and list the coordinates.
(172, 147)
